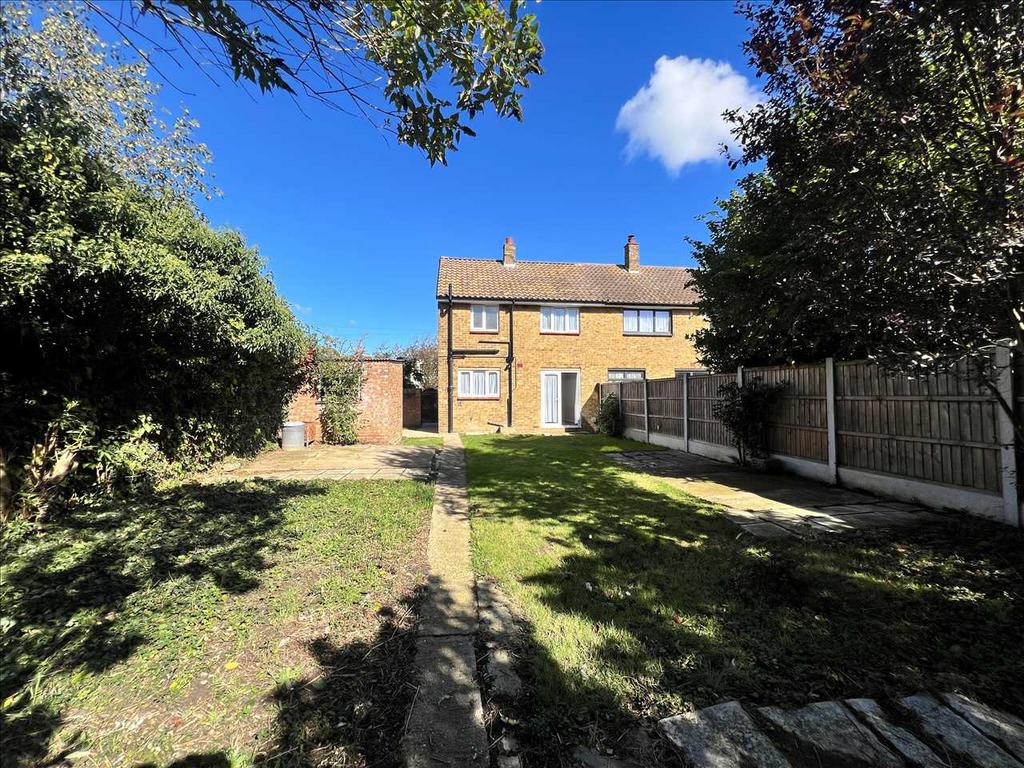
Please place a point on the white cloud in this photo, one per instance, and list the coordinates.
(677, 117)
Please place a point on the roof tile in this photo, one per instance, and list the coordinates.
(489, 279)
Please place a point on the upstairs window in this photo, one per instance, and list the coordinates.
(479, 384)
(647, 322)
(483, 318)
(559, 320)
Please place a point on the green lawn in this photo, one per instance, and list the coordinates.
(433, 440)
(640, 600)
(220, 625)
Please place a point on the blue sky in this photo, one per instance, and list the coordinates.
(352, 223)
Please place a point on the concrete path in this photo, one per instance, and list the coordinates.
(341, 462)
(423, 430)
(920, 731)
(446, 725)
(773, 505)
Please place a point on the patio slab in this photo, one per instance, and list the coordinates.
(773, 505)
(342, 462)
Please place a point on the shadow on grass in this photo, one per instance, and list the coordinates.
(68, 589)
(671, 607)
(353, 711)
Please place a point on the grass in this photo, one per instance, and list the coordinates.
(639, 600)
(435, 441)
(223, 624)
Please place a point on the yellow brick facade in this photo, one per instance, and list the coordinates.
(599, 346)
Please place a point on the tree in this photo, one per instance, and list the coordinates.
(420, 69)
(131, 330)
(421, 361)
(888, 219)
(107, 93)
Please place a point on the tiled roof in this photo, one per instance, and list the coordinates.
(489, 279)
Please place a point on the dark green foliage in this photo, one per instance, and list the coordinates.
(337, 378)
(608, 419)
(887, 219)
(744, 410)
(161, 329)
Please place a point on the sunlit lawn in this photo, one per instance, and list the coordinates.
(640, 600)
(220, 624)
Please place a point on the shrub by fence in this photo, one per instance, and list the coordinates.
(941, 438)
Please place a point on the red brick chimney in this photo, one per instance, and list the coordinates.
(632, 254)
(508, 253)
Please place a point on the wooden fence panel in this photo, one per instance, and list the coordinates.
(703, 393)
(631, 404)
(798, 425)
(941, 427)
(665, 406)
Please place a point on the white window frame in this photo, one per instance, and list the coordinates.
(641, 371)
(488, 379)
(546, 307)
(638, 313)
(474, 328)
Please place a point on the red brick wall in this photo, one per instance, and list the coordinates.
(303, 407)
(381, 402)
(412, 415)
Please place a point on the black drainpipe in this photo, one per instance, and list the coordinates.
(451, 385)
(511, 359)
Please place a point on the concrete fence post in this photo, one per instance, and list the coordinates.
(622, 409)
(739, 375)
(830, 419)
(686, 412)
(647, 417)
(1007, 436)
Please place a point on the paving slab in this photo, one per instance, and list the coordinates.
(337, 462)
(957, 735)
(497, 624)
(505, 683)
(446, 725)
(722, 736)
(1003, 727)
(833, 733)
(913, 751)
(797, 504)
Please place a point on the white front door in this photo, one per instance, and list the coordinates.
(559, 398)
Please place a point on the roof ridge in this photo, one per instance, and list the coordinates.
(565, 263)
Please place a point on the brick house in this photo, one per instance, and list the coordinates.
(380, 404)
(528, 341)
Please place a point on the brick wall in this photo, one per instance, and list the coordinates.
(412, 405)
(600, 345)
(304, 407)
(380, 419)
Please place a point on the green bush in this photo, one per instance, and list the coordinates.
(338, 420)
(608, 421)
(337, 377)
(130, 306)
(744, 410)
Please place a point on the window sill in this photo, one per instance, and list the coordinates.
(559, 333)
(488, 397)
(490, 333)
(638, 333)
